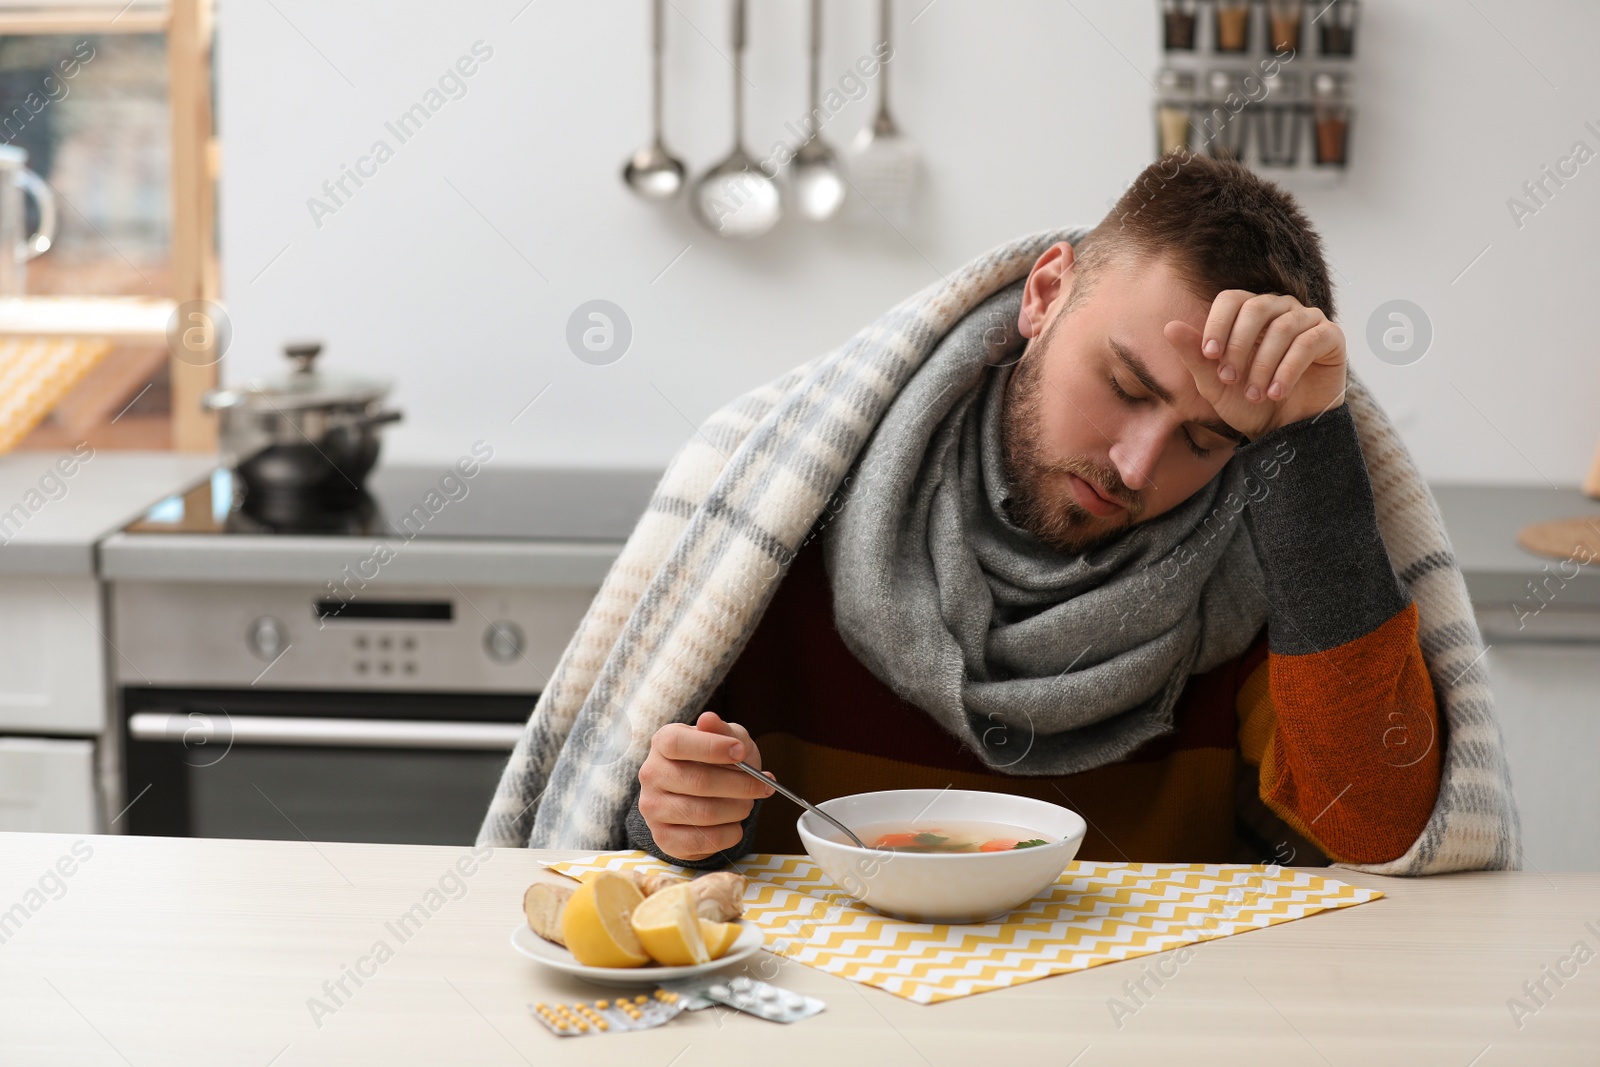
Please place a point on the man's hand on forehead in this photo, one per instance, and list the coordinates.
(1264, 360)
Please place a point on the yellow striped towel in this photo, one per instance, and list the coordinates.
(35, 373)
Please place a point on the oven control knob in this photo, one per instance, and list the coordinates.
(504, 641)
(267, 638)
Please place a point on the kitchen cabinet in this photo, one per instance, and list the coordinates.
(1548, 698)
(52, 673)
(47, 785)
(53, 652)
(52, 656)
(54, 682)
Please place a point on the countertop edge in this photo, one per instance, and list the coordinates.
(318, 560)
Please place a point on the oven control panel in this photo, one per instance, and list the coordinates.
(458, 638)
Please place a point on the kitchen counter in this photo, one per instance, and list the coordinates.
(50, 521)
(1483, 521)
(161, 951)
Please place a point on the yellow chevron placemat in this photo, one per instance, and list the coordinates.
(1095, 913)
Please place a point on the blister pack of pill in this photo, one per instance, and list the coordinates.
(761, 999)
(609, 1014)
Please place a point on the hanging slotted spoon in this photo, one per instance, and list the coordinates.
(883, 165)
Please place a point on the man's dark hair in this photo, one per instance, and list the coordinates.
(1220, 226)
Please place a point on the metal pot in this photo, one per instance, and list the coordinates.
(306, 433)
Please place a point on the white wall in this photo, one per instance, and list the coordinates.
(1031, 114)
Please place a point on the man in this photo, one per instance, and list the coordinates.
(1127, 559)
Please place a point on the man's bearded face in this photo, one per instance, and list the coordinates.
(1103, 425)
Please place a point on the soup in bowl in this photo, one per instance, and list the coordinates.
(943, 855)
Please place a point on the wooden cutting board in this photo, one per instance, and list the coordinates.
(1563, 539)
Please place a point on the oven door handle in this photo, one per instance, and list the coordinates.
(204, 728)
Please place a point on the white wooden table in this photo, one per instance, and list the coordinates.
(157, 951)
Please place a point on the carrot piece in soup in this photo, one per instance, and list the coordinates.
(999, 844)
(895, 841)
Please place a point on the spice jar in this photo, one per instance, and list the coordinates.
(1330, 107)
(1233, 25)
(1279, 119)
(1283, 25)
(1223, 130)
(1174, 109)
(1337, 28)
(1178, 21)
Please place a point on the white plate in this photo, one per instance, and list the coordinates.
(537, 948)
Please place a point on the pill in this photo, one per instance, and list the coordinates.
(602, 1004)
(640, 999)
(718, 990)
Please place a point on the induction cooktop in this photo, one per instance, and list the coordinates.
(408, 502)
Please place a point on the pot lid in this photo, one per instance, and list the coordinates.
(302, 388)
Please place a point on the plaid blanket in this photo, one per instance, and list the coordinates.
(738, 500)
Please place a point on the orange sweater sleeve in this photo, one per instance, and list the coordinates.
(1347, 741)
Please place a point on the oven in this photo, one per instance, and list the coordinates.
(274, 711)
(411, 768)
(354, 674)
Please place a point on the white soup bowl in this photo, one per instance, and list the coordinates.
(950, 887)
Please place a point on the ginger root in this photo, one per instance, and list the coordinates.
(719, 896)
(542, 904)
(653, 881)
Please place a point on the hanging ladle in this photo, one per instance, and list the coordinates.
(653, 172)
(736, 198)
(818, 183)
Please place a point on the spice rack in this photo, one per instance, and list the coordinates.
(1266, 82)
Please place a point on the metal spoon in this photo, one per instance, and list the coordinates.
(800, 800)
(818, 183)
(653, 172)
(735, 198)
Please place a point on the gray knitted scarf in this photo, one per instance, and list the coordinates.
(1030, 656)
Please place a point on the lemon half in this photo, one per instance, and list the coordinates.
(596, 922)
(668, 927)
(719, 937)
